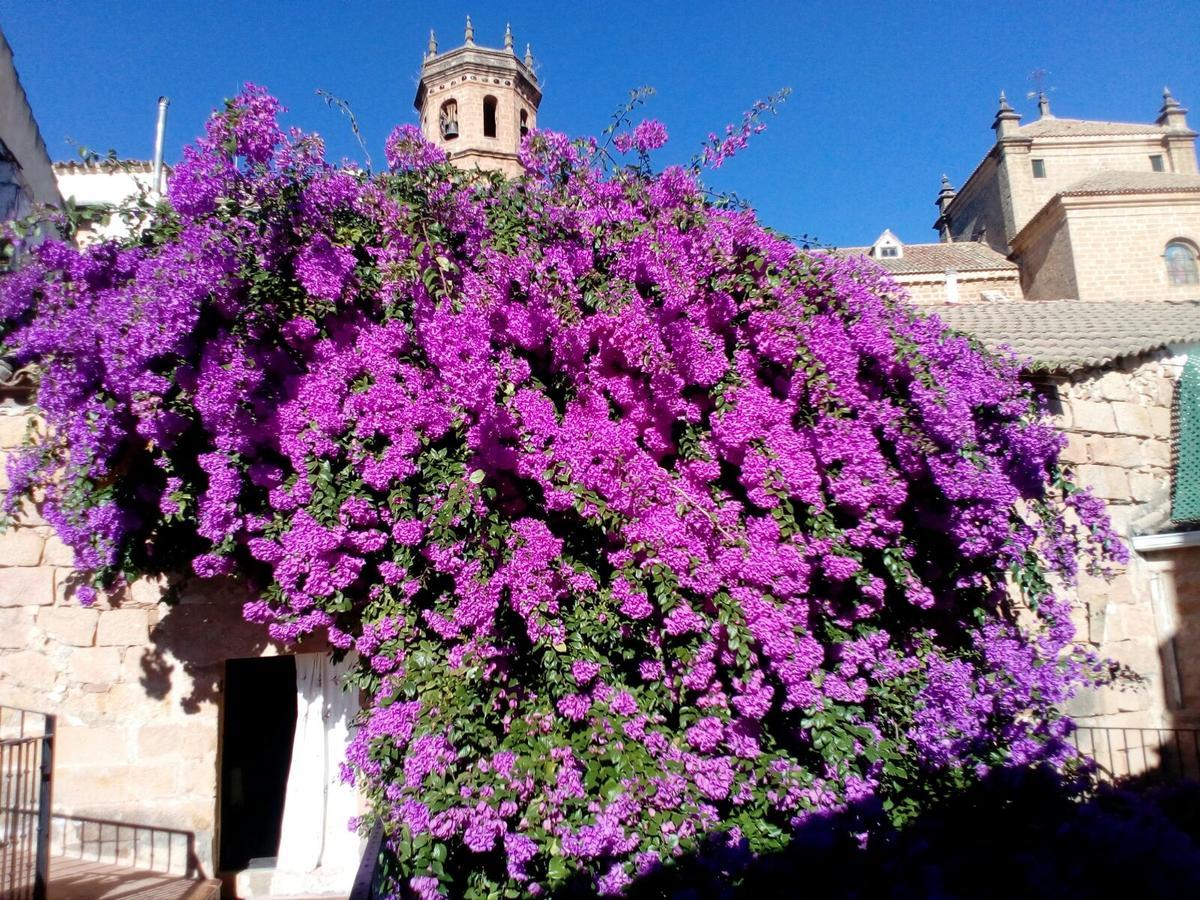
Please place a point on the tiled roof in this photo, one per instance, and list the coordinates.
(919, 258)
(104, 165)
(1134, 183)
(1056, 127)
(1073, 334)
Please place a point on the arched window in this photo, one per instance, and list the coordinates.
(1181, 263)
(489, 116)
(448, 120)
(524, 123)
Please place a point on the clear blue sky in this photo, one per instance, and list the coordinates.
(887, 95)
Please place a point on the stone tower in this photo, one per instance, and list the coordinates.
(477, 103)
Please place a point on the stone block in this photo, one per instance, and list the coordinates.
(20, 547)
(123, 628)
(1133, 419)
(72, 625)
(91, 745)
(94, 665)
(12, 430)
(194, 737)
(1109, 482)
(26, 586)
(1160, 421)
(147, 592)
(78, 786)
(56, 553)
(1115, 450)
(29, 668)
(16, 627)
(1076, 450)
(1097, 418)
(1145, 487)
(1115, 386)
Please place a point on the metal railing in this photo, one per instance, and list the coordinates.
(1166, 754)
(170, 851)
(367, 882)
(26, 764)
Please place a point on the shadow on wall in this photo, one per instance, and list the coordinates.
(196, 635)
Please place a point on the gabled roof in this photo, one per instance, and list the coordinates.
(1073, 334)
(1052, 126)
(1133, 183)
(929, 258)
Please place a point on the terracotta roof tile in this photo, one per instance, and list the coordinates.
(1134, 183)
(1056, 127)
(1073, 334)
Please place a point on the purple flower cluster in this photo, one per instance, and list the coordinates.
(644, 523)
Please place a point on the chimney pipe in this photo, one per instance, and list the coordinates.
(159, 138)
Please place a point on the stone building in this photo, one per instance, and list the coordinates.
(477, 103)
(1093, 229)
(26, 177)
(183, 716)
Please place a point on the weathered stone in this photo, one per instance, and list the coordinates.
(1076, 450)
(123, 628)
(1133, 419)
(192, 738)
(28, 667)
(1160, 421)
(1114, 386)
(1108, 482)
(20, 547)
(1094, 417)
(72, 625)
(147, 591)
(1115, 451)
(12, 430)
(1145, 487)
(26, 586)
(79, 785)
(16, 627)
(89, 745)
(94, 665)
(56, 553)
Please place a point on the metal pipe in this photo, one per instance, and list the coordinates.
(159, 139)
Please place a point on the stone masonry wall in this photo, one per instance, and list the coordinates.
(1071, 161)
(136, 684)
(1118, 426)
(930, 290)
(1118, 251)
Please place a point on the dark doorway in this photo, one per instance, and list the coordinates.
(256, 753)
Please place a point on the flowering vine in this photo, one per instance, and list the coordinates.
(643, 524)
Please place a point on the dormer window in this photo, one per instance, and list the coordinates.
(892, 252)
(448, 120)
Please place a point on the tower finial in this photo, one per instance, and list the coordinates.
(508, 38)
(470, 35)
(1044, 106)
(529, 56)
(432, 45)
(1004, 107)
(1169, 98)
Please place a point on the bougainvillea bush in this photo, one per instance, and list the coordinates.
(648, 529)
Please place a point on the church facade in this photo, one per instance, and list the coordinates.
(1074, 243)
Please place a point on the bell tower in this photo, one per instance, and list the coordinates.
(477, 103)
